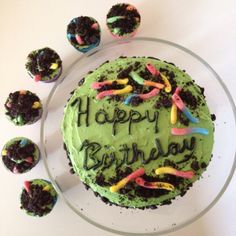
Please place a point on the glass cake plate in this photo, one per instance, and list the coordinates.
(184, 210)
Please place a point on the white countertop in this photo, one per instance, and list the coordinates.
(206, 27)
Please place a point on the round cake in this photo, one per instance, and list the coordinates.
(138, 132)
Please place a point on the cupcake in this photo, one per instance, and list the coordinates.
(123, 20)
(23, 107)
(38, 197)
(20, 155)
(84, 33)
(44, 65)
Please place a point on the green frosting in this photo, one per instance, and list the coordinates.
(96, 146)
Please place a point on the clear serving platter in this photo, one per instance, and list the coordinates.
(184, 210)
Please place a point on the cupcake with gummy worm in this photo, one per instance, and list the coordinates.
(84, 33)
(20, 155)
(23, 107)
(44, 65)
(123, 20)
(38, 197)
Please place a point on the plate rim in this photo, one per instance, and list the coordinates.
(61, 79)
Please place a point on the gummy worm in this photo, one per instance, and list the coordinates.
(27, 186)
(170, 170)
(54, 66)
(173, 114)
(126, 89)
(151, 68)
(94, 26)
(114, 18)
(194, 130)
(180, 104)
(79, 39)
(144, 96)
(141, 81)
(137, 173)
(98, 85)
(154, 185)
(37, 78)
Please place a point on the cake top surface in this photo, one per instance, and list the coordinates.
(107, 138)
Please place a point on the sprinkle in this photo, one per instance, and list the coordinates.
(4, 152)
(170, 170)
(15, 170)
(36, 105)
(141, 81)
(37, 78)
(184, 131)
(151, 68)
(94, 26)
(173, 114)
(130, 8)
(154, 185)
(180, 104)
(23, 142)
(22, 92)
(46, 188)
(139, 172)
(29, 160)
(114, 18)
(27, 186)
(79, 39)
(98, 85)
(54, 66)
(105, 93)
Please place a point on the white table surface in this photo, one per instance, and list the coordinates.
(207, 27)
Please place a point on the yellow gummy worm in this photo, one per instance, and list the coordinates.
(4, 152)
(46, 188)
(122, 81)
(173, 114)
(118, 81)
(54, 66)
(164, 185)
(126, 89)
(165, 170)
(119, 185)
(168, 87)
(36, 105)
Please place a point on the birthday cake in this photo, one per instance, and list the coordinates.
(138, 132)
